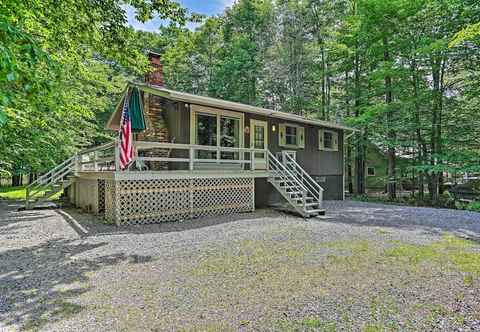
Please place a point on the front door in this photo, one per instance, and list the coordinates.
(259, 140)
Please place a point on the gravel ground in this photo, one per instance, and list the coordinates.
(362, 267)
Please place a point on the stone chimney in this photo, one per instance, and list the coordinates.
(157, 129)
(155, 77)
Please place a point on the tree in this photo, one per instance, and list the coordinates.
(61, 64)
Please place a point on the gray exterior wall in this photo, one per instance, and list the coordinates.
(324, 166)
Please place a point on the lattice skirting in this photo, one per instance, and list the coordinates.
(152, 201)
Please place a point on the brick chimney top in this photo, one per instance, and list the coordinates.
(155, 77)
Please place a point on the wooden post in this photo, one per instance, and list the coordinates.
(95, 157)
(117, 156)
(304, 196)
(191, 157)
(252, 160)
(77, 164)
(267, 160)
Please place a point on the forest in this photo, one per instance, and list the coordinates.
(405, 73)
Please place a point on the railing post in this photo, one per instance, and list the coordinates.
(95, 157)
(320, 198)
(267, 160)
(77, 164)
(252, 160)
(117, 156)
(191, 157)
(304, 196)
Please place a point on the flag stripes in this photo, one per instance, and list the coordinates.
(126, 138)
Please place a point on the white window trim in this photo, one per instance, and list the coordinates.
(195, 109)
(292, 146)
(321, 139)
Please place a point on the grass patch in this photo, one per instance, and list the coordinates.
(450, 251)
(319, 325)
(13, 193)
(18, 193)
(270, 273)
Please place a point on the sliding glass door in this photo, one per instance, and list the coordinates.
(229, 136)
(206, 128)
(217, 128)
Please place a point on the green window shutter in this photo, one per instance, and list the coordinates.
(321, 145)
(301, 137)
(335, 141)
(281, 134)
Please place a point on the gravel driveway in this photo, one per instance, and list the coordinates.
(363, 267)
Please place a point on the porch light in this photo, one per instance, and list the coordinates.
(273, 128)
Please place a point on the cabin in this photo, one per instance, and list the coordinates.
(376, 171)
(201, 156)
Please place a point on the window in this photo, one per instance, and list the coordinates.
(327, 140)
(291, 135)
(371, 171)
(211, 127)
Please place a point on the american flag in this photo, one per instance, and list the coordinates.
(125, 132)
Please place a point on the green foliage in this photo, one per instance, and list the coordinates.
(62, 66)
(469, 33)
(472, 206)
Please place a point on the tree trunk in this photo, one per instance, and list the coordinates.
(360, 143)
(324, 85)
(349, 145)
(421, 145)
(392, 185)
(16, 180)
(435, 139)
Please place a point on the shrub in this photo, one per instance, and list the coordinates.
(474, 206)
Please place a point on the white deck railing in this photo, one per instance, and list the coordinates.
(106, 157)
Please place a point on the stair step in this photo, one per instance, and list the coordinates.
(316, 211)
(289, 187)
(301, 198)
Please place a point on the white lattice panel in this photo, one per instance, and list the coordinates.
(111, 209)
(158, 200)
(222, 196)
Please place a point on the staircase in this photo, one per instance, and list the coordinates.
(298, 188)
(50, 183)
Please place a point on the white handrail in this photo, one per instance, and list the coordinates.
(144, 145)
(304, 177)
(284, 170)
(192, 160)
(49, 174)
(98, 148)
